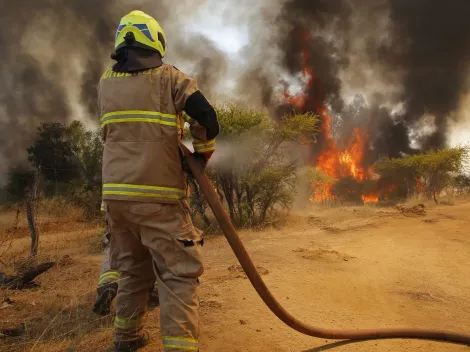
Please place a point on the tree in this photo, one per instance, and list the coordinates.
(348, 189)
(319, 183)
(87, 148)
(254, 173)
(22, 188)
(462, 183)
(53, 153)
(430, 172)
(19, 179)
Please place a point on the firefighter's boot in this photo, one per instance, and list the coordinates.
(106, 295)
(132, 346)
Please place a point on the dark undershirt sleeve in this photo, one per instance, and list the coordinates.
(199, 109)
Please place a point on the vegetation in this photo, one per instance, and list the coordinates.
(428, 173)
(253, 173)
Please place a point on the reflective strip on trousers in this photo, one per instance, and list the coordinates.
(179, 343)
(204, 147)
(142, 191)
(138, 116)
(109, 276)
(127, 324)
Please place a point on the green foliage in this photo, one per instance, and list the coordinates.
(19, 180)
(462, 183)
(254, 175)
(52, 152)
(69, 160)
(434, 169)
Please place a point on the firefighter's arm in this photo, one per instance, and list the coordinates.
(198, 112)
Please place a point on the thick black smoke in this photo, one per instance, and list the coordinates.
(431, 47)
(304, 44)
(419, 47)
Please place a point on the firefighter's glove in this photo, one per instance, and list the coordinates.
(203, 157)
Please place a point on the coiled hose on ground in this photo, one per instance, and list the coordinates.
(242, 255)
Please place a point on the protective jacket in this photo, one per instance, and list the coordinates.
(142, 117)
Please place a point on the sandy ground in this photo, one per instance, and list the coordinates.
(335, 268)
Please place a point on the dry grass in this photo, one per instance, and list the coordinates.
(57, 315)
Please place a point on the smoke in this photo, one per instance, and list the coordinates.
(49, 47)
(430, 47)
(405, 61)
(54, 52)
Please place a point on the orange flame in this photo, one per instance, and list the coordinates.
(334, 161)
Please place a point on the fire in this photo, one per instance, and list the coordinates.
(419, 185)
(335, 161)
(349, 161)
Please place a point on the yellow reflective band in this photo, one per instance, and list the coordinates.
(155, 285)
(186, 116)
(180, 343)
(204, 147)
(138, 116)
(102, 206)
(127, 324)
(205, 143)
(108, 277)
(143, 191)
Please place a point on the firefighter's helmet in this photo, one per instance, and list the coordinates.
(140, 30)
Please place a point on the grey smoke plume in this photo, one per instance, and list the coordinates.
(54, 52)
(392, 52)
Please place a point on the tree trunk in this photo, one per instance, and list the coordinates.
(228, 196)
(31, 197)
(434, 196)
(17, 219)
(250, 202)
(239, 194)
(200, 203)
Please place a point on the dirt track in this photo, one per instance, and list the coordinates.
(338, 268)
(372, 268)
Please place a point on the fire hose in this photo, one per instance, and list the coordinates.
(243, 257)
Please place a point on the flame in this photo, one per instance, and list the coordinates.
(419, 185)
(338, 163)
(335, 161)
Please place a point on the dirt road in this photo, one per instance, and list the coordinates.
(338, 268)
(344, 268)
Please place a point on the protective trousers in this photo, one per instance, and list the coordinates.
(107, 275)
(156, 240)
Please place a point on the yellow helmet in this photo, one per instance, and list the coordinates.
(140, 30)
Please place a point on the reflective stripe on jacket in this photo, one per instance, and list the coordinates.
(142, 119)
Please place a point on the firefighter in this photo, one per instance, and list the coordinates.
(144, 104)
(109, 279)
